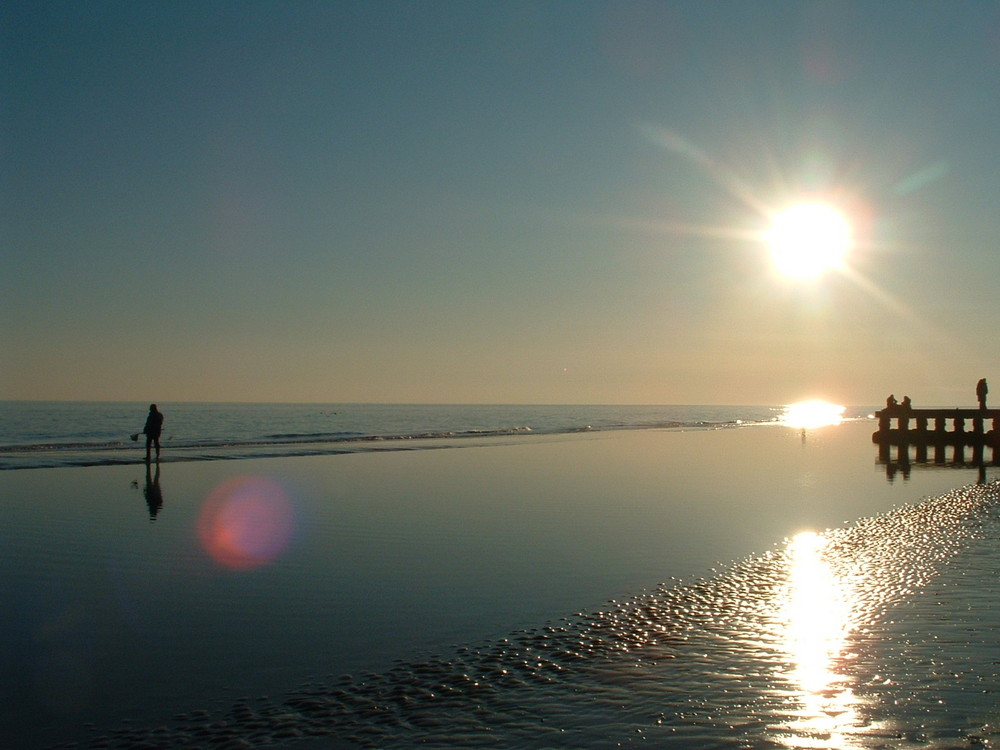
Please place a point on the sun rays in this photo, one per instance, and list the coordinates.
(806, 236)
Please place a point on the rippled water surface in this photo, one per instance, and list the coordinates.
(744, 588)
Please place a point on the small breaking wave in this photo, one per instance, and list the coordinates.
(275, 445)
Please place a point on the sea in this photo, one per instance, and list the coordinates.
(50, 434)
(398, 576)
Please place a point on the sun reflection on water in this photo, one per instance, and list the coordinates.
(809, 414)
(816, 620)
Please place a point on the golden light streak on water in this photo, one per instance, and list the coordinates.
(815, 622)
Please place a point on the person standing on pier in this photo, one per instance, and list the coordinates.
(981, 390)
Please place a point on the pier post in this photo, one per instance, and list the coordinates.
(920, 438)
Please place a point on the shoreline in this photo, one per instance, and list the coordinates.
(15, 458)
(94, 434)
(44, 457)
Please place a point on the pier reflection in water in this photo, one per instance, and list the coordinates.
(903, 464)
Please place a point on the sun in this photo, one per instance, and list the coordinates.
(808, 239)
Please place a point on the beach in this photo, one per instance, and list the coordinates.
(585, 590)
(538, 375)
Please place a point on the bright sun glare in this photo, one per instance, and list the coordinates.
(817, 622)
(808, 239)
(808, 414)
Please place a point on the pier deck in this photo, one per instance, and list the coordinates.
(938, 430)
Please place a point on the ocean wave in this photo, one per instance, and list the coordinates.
(55, 446)
(103, 452)
(312, 436)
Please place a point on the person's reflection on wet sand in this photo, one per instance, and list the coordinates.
(152, 493)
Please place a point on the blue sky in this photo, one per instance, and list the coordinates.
(535, 202)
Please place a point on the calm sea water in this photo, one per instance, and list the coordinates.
(749, 587)
(37, 434)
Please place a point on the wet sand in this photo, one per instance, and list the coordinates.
(433, 557)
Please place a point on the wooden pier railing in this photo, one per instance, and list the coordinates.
(937, 430)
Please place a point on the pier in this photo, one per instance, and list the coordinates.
(934, 433)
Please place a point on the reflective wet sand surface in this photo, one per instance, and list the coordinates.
(829, 641)
(572, 593)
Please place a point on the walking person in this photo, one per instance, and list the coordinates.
(981, 390)
(154, 425)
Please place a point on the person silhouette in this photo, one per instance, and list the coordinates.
(981, 390)
(154, 425)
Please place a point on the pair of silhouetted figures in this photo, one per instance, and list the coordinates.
(981, 390)
(891, 403)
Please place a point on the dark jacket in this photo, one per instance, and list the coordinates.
(154, 423)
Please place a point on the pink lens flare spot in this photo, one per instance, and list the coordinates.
(246, 522)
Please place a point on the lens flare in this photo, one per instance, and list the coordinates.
(246, 522)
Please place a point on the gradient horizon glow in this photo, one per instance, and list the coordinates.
(524, 202)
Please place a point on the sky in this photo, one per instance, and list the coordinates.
(512, 202)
